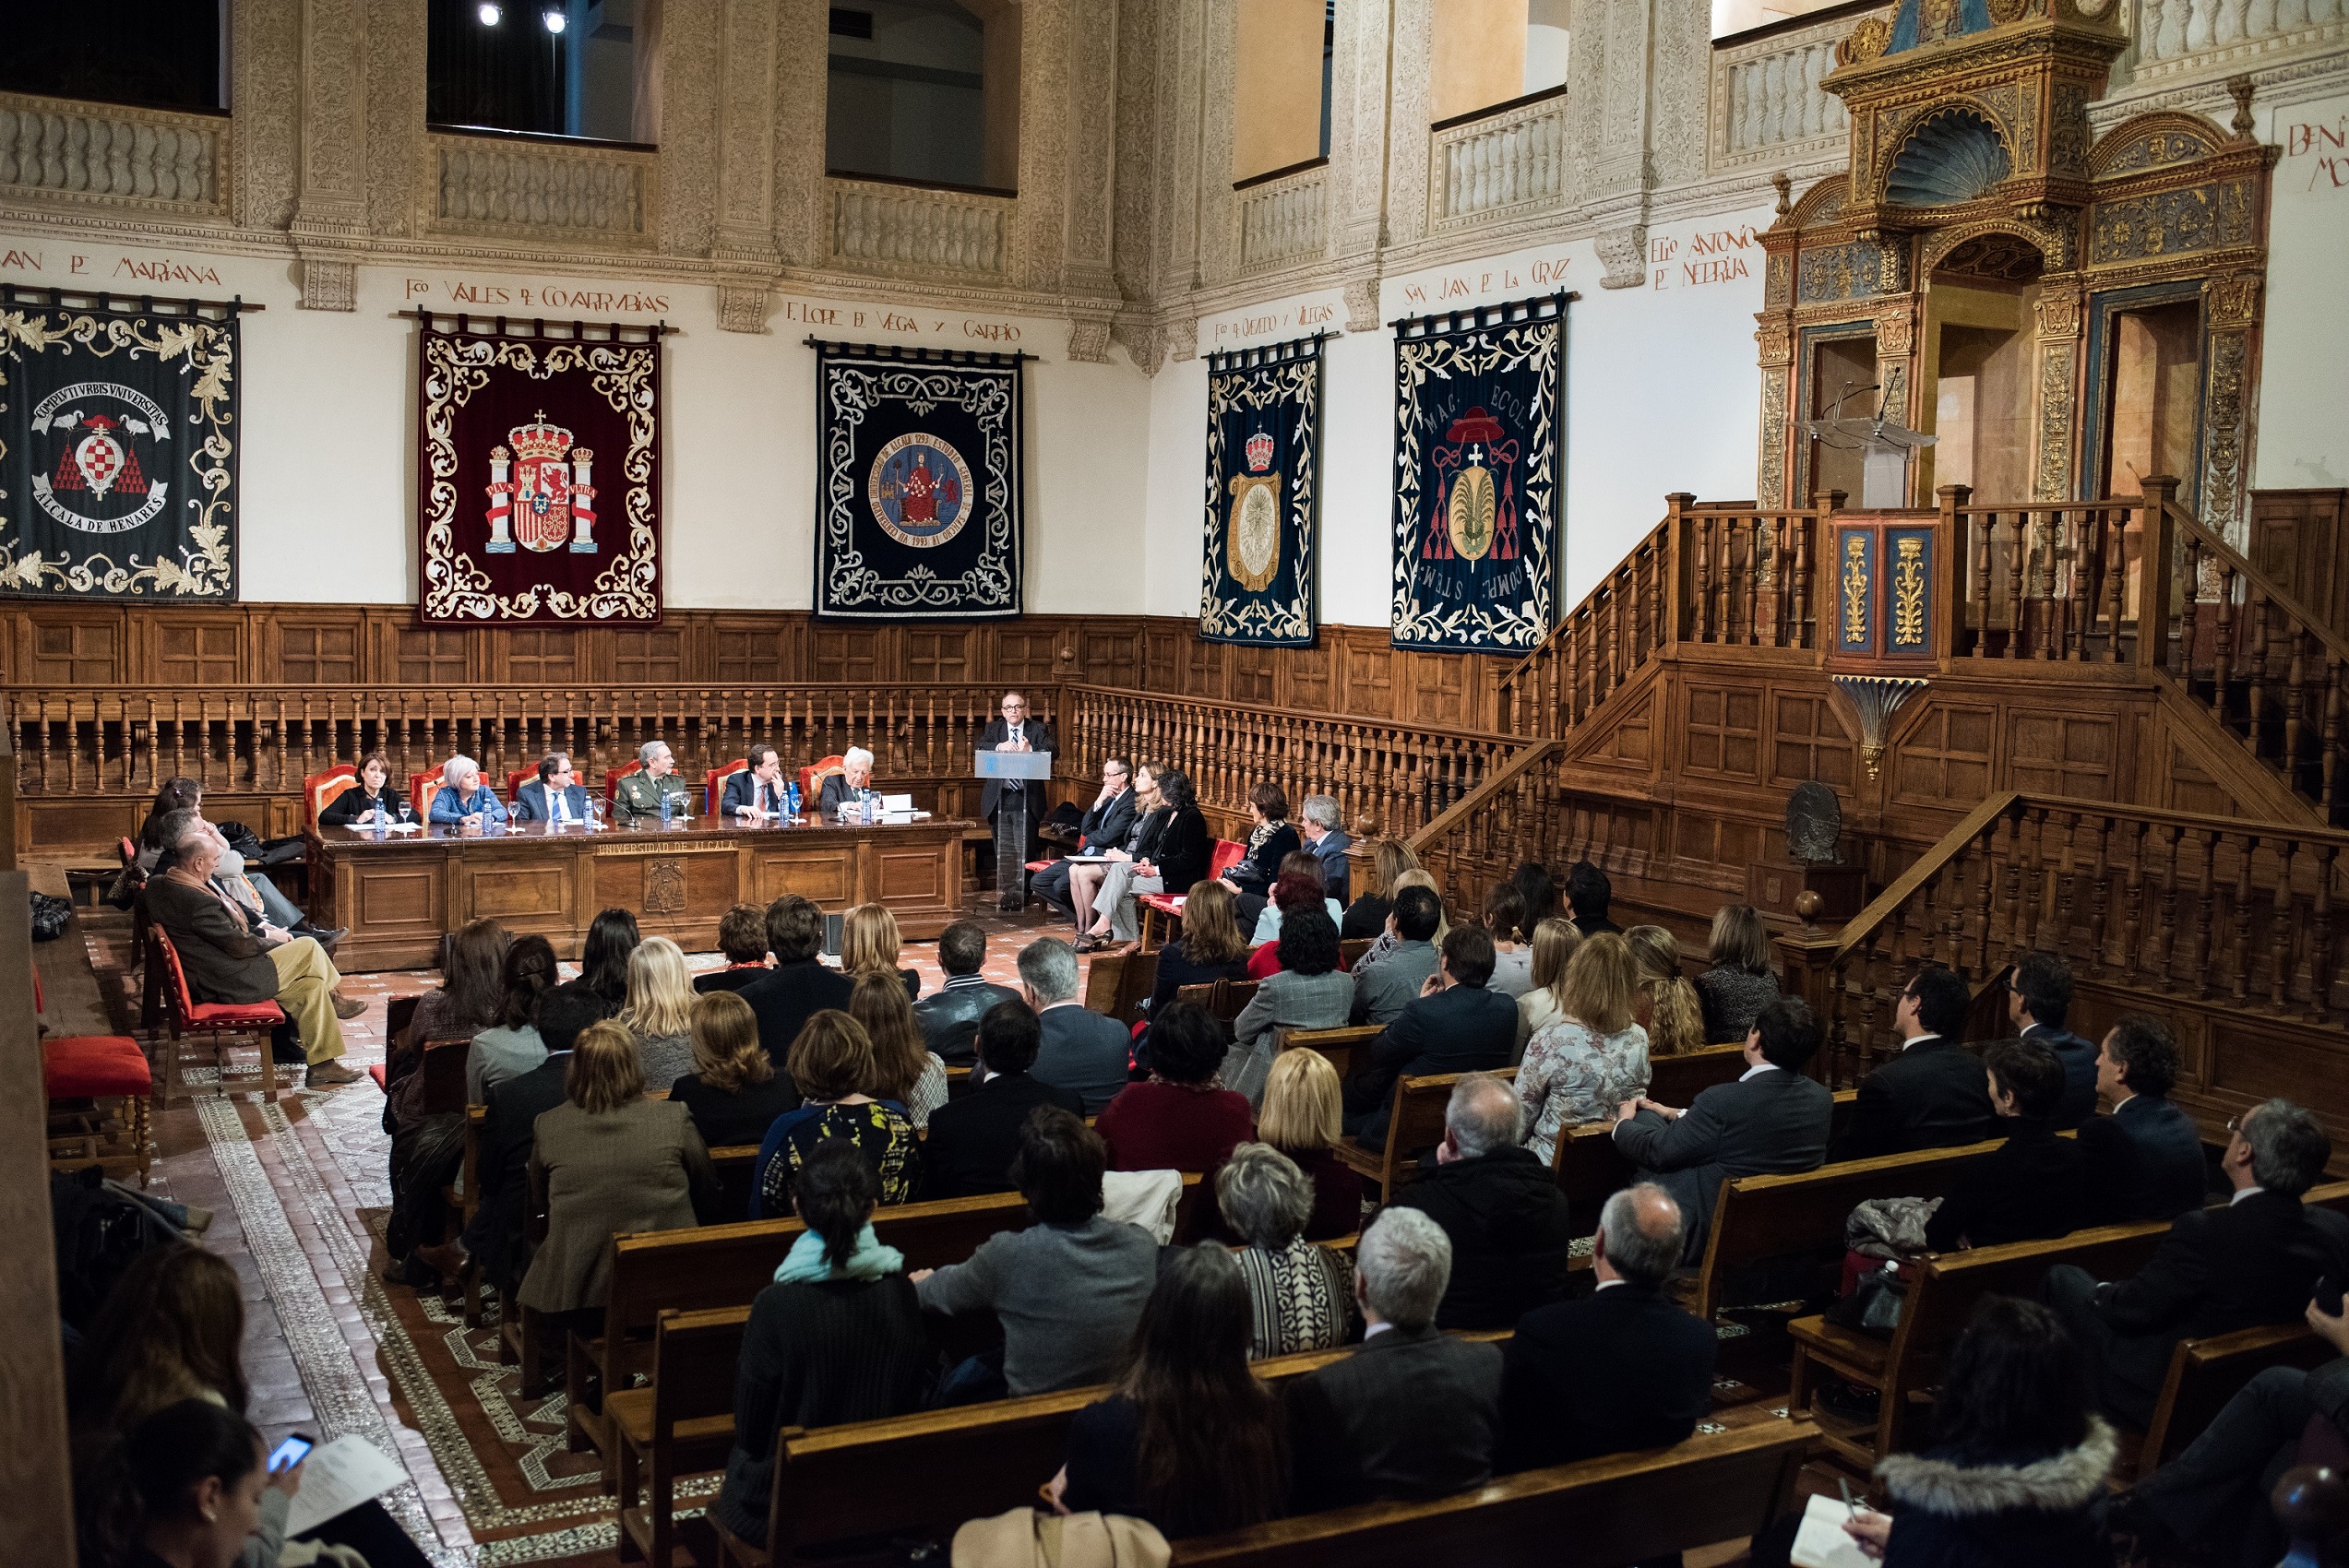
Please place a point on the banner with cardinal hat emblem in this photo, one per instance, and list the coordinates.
(539, 482)
(1263, 495)
(118, 448)
(1478, 398)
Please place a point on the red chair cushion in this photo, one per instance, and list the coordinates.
(1038, 865)
(1227, 855)
(234, 1016)
(93, 1066)
(376, 1073)
(1165, 903)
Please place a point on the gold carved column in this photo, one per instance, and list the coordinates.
(2230, 370)
(2056, 388)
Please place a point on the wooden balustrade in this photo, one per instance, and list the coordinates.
(2047, 582)
(1750, 583)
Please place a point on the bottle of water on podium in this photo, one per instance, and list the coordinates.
(871, 816)
(664, 808)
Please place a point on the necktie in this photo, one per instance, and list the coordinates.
(561, 813)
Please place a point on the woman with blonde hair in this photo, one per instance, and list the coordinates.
(1210, 949)
(1390, 939)
(1366, 916)
(1741, 981)
(658, 1014)
(732, 1093)
(869, 942)
(1304, 1106)
(1556, 941)
(1667, 1005)
(904, 1068)
(831, 1060)
(1580, 1068)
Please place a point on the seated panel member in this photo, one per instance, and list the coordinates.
(638, 795)
(375, 803)
(759, 790)
(555, 795)
(464, 799)
(848, 786)
(1104, 827)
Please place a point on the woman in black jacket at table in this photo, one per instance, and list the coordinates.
(375, 792)
(1270, 838)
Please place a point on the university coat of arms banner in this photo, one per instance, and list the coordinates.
(539, 474)
(118, 449)
(1478, 404)
(918, 483)
(1263, 495)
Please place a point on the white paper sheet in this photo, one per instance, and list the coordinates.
(1821, 1542)
(337, 1479)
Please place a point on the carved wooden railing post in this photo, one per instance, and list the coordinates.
(2157, 590)
(1949, 571)
(1680, 563)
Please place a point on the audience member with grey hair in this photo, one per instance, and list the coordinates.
(638, 796)
(1083, 1051)
(1318, 825)
(1619, 1370)
(2255, 1261)
(1500, 1207)
(1415, 1413)
(1302, 1293)
(464, 797)
(848, 786)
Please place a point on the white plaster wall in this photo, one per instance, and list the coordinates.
(2304, 380)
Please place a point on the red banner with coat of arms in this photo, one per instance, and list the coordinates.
(539, 474)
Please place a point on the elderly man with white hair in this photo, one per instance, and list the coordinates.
(639, 794)
(848, 786)
(463, 799)
(1498, 1204)
(1415, 1413)
(1318, 825)
(229, 956)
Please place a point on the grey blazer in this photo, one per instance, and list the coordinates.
(1282, 1001)
(1771, 1122)
(1383, 990)
(634, 1169)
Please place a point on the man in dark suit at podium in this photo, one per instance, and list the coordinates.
(1016, 731)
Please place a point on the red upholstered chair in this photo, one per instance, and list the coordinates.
(222, 1026)
(319, 790)
(1169, 905)
(110, 1073)
(422, 787)
(514, 782)
(713, 789)
(611, 781)
(812, 776)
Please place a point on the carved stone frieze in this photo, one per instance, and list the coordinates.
(1143, 339)
(1088, 341)
(2164, 223)
(1771, 465)
(328, 284)
(1895, 331)
(1046, 46)
(2233, 299)
(2051, 475)
(265, 63)
(1411, 59)
(741, 307)
(2059, 312)
(1362, 304)
(1623, 257)
(1183, 337)
(2224, 401)
(1776, 342)
(691, 37)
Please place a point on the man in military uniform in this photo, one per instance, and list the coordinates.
(639, 793)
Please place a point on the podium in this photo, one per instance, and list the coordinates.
(1883, 445)
(1014, 770)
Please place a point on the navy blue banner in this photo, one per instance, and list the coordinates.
(1263, 495)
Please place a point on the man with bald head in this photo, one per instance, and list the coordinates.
(1620, 1370)
(1500, 1207)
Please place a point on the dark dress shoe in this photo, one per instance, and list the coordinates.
(325, 936)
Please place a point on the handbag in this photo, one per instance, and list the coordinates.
(1029, 1537)
(51, 915)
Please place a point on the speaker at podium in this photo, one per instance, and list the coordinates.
(1020, 770)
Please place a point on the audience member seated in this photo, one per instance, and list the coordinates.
(1210, 949)
(732, 1093)
(1298, 887)
(2029, 1187)
(830, 1062)
(469, 998)
(870, 945)
(1771, 1120)
(741, 937)
(658, 1014)
(799, 986)
(2145, 1160)
(186, 1487)
(1740, 980)
(1308, 991)
(1270, 840)
(1068, 1289)
(2038, 1000)
(1366, 916)
(231, 955)
(494, 1233)
(1317, 824)
(638, 796)
(1456, 1026)
(1104, 828)
(613, 1163)
(1931, 1095)
(1103, 894)
(1386, 984)
(1587, 894)
(973, 1140)
(1180, 1117)
(903, 1068)
(851, 786)
(1180, 858)
(1082, 1049)
(2256, 1260)
(511, 1046)
(837, 1337)
(1388, 940)
(1554, 945)
(1187, 1440)
(1415, 1413)
(604, 956)
(463, 801)
(757, 792)
(1504, 919)
(374, 802)
(1666, 1004)
(1303, 1117)
(950, 1016)
(1302, 1294)
(554, 796)
(1582, 1068)
(179, 804)
(1500, 1207)
(1620, 1370)
(1539, 893)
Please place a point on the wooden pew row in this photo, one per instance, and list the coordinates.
(1414, 1125)
(1347, 1049)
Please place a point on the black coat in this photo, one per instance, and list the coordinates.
(1510, 1233)
(1934, 1095)
(1617, 1370)
(2238, 1265)
(1462, 1029)
(1770, 1124)
(786, 997)
(1040, 738)
(356, 802)
(1184, 850)
(2028, 1188)
(1142, 833)
(2144, 1161)
(1415, 1413)
(509, 1131)
(2015, 1510)
(949, 1019)
(972, 1140)
(1255, 870)
(2079, 1058)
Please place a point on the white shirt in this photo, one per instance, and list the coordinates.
(1374, 1331)
(1606, 1285)
(1917, 1040)
(1758, 1069)
(2244, 1193)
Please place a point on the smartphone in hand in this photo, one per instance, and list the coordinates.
(289, 1453)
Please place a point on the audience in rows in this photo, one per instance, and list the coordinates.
(511, 1045)
(1504, 921)
(1210, 949)
(1739, 978)
(742, 939)
(658, 1013)
(603, 956)
(2031, 1185)
(1554, 944)
(973, 1141)
(1082, 1049)
(1456, 1026)
(1180, 1117)
(1386, 984)
(1510, 1229)
(870, 945)
(1367, 915)
(2145, 1159)
(2038, 1000)
(1302, 1295)
(904, 1068)
(1303, 882)
(732, 1093)
(1666, 1006)
(1303, 1117)
(1931, 1095)
(831, 1066)
(949, 1016)
(1308, 991)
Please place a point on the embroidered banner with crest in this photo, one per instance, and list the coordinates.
(118, 448)
(1478, 403)
(1263, 495)
(539, 474)
(918, 483)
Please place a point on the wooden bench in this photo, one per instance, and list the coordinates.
(683, 1424)
(737, 1168)
(1227, 998)
(1414, 1125)
(1117, 984)
(1677, 1080)
(1584, 1156)
(1347, 1048)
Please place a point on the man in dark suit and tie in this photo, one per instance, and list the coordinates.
(1016, 731)
(1415, 1413)
(2038, 999)
(1773, 1119)
(949, 1016)
(1105, 824)
(758, 790)
(1457, 1026)
(1082, 1050)
(1931, 1095)
(799, 986)
(2145, 1160)
(972, 1140)
(555, 795)
(2254, 1260)
(1619, 1370)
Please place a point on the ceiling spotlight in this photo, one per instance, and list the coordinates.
(489, 16)
(555, 20)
